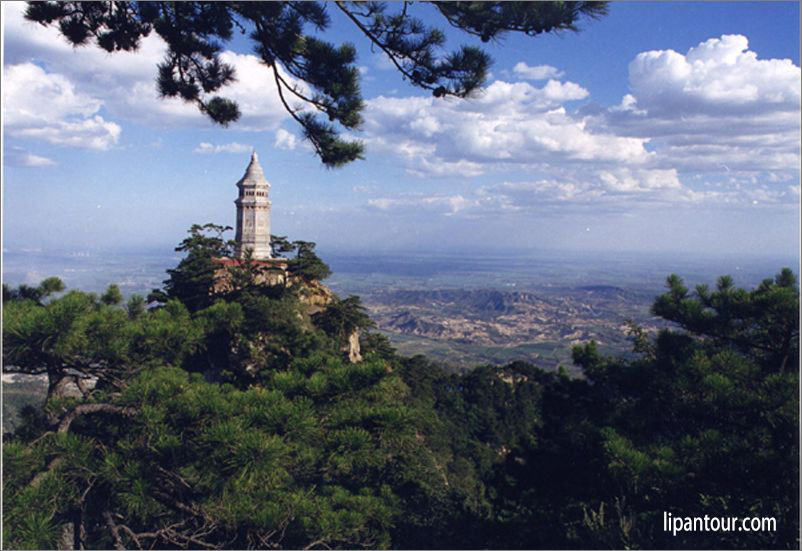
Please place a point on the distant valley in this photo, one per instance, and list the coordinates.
(466, 327)
(493, 309)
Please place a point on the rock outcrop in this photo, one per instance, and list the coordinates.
(352, 350)
(313, 295)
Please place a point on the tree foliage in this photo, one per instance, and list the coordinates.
(45, 289)
(316, 80)
(699, 425)
(237, 424)
(191, 281)
(757, 323)
(304, 262)
(343, 317)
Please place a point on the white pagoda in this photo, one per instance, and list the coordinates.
(253, 213)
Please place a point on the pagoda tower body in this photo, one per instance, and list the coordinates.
(253, 213)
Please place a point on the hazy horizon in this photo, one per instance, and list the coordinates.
(355, 271)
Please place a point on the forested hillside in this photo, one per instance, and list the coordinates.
(235, 419)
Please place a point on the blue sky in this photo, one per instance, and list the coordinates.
(662, 127)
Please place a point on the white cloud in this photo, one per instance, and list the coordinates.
(615, 190)
(255, 92)
(623, 190)
(714, 109)
(32, 96)
(685, 114)
(46, 106)
(233, 147)
(538, 195)
(426, 125)
(625, 180)
(538, 72)
(618, 191)
(124, 81)
(447, 205)
(716, 105)
(500, 96)
(30, 159)
(363, 189)
(94, 133)
(559, 92)
(17, 156)
(718, 76)
(440, 167)
(512, 123)
(285, 140)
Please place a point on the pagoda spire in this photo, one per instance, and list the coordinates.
(254, 175)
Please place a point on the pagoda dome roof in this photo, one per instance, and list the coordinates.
(254, 175)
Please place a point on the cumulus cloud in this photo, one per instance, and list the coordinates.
(716, 105)
(363, 189)
(715, 108)
(538, 72)
(233, 147)
(426, 167)
(46, 106)
(507, 123)
(719, 76)
(33, 96)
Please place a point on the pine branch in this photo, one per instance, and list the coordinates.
(115, 531)
(86, 409)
